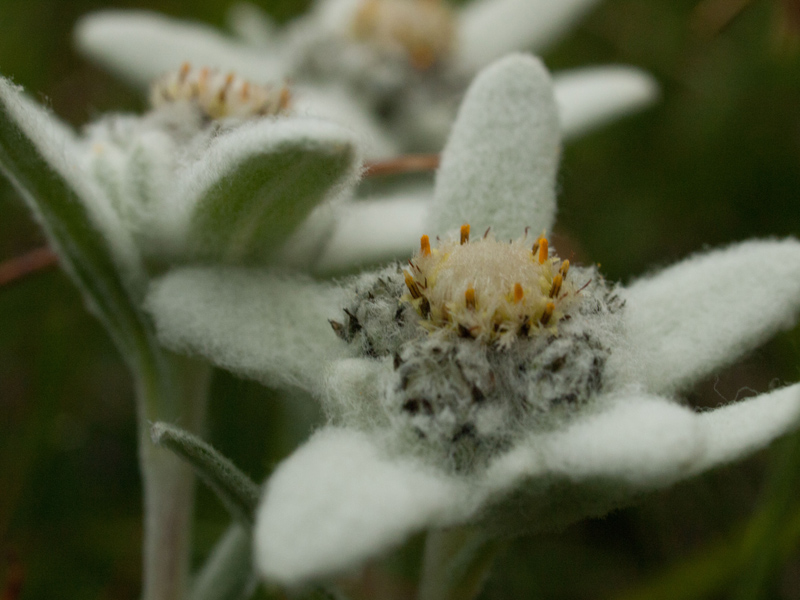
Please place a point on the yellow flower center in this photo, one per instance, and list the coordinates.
(219, 95)
(424, 29)
(489, 290)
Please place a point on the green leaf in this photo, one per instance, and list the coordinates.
(235, 489)
(228, 573)
(254, 186)
(35, 152)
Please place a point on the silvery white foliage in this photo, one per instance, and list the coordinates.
(172, 186)
(360, 485)
(416, 106)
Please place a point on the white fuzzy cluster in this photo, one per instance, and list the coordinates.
(395, 54)
(422, 30)
(467, 396)
(218, 95)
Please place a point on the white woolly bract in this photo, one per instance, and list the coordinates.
(333, 102)
(499, 166)
(374, 231)
(252, 24)
(141, 45)
(589, 97)
(273, 328)
(60, 148)
(489, 29)
(339, 500)
(729, 302)
(225, 153)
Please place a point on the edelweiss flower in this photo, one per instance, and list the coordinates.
(215, 173)
(406, 61)
(488, 381)
(186, 181)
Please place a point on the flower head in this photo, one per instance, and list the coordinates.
(218, 95)
(486, 381)
(421, 31)
(391, 69)
(217, 170)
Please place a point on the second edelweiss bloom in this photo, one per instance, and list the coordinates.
(488, 381)
(393, 67)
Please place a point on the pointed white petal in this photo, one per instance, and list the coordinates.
(636, 439)
(139, 46)
(499, 166)
(374, 231)
(273, 328)
(600, 462)
(739, 429)
(588, 98)
(42, 160)
(251, 24)
(333, 103)
(706, 311)
(488, 29)
(337, 501)
(253, 186)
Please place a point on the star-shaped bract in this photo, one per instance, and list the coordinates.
(350, 492)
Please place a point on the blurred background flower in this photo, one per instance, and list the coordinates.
(717, 160)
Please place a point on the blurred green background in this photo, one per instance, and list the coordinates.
(717, 160)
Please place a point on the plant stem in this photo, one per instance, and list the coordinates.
(172, 389)
(228, 573)
(456, 563)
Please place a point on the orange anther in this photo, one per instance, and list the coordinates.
(542, 249)
(464, 233)
(245, 90)
(547, 314)
(224, 90)
(412, 286)
(556, 287)
(518, 293)
(185, 68)
(469, 297)
(285, 98)
(425, 245)
(564, 268)
(202, 79)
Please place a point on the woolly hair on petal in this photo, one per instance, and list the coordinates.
(338, 501)
(251, 23)
(590, 97)
(36, 154)
(744, 427)
(269, 327)
(632, 443)
(686, 321)
(55, 144)
(141, 45)
(254, 185)
(489, 29)
(335, 103)
(375, 230)
(499, 166)
(634, 438)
